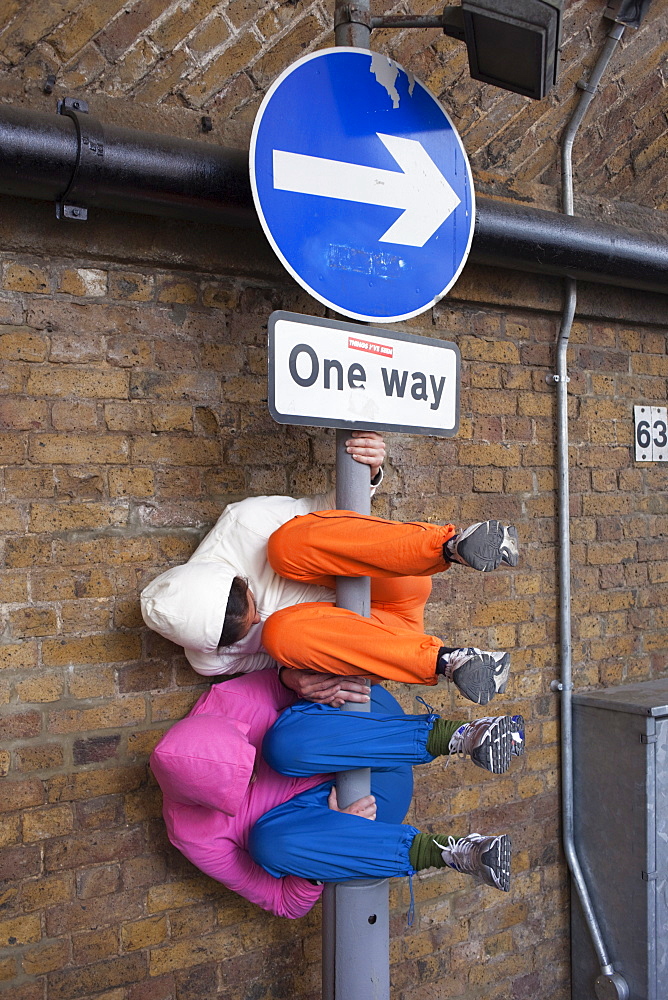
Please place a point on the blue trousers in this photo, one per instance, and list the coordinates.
(304, 836)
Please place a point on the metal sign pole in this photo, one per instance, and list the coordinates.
(355, 926)
(355, 931)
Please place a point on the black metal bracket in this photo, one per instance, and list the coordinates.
(72, 203)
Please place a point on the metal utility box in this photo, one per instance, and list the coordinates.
(621, 832)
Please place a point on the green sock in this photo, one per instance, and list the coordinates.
(440, 735)
(423, 852)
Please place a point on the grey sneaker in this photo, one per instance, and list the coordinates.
(489, 742)
(478, 674)
(486, 858)
(484, 546)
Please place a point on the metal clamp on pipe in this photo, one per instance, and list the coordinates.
(351, 13)
(73, 202)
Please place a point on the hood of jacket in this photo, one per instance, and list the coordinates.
(187, 605)
(205, 760)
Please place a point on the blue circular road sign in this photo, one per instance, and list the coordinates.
(362, 185)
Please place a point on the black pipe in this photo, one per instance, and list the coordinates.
(141, 171)
(530, 239)
(184, 179)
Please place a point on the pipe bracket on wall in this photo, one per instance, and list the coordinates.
(73, 202)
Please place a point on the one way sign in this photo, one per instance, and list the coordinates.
(362, 185)
(323, 372)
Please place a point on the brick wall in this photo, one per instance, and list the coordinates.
(133, 408)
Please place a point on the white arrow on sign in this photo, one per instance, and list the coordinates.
(420, 188)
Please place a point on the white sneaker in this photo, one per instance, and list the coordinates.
(486, 858)
(478, 674)
(484, 546)
(490, 742)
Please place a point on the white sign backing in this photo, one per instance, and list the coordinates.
(331, 374)
(651, 426)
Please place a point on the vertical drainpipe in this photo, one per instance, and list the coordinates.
(610, 985)
(355, 916)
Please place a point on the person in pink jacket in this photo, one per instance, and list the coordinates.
(249, 798)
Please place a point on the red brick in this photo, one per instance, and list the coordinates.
(94, 946)
(99, 881)
(19, 862)
(94, 848)
(24, 991)
(195, 983)
(99, 813)
(21, 725)
(121, 971)
(159, 988)
(95, 749)
(103, 912)
(20, 414)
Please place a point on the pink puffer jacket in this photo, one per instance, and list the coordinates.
(204, 766)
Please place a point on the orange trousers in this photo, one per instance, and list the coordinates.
(391, 644)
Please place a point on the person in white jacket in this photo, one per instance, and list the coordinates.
(192, 604)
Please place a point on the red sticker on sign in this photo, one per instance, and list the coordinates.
(368, 345)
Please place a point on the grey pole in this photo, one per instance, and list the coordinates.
(352, 493)
(355, 925)
(355, 916)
